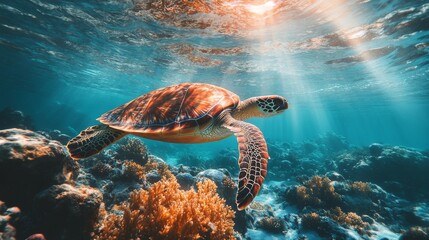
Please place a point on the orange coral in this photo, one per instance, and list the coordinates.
(134, 171)
(166, 212)
(350, 219)
(316, 192)
(160, 167)
(133, 149)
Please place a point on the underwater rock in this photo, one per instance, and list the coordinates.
(312, 157)
(29, 163)
(226, 158)
(334, 176)
(400, 170)
(186, 169)
(375, 149)
(416, 233)
(67, 212)
(153, 177)
(60, 137)
(186, 180)
(86, 178)
(10, 118)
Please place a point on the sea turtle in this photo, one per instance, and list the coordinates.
(190, 113)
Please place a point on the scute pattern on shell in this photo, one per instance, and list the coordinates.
(173, 108)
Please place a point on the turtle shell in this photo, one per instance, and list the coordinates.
(176, 109)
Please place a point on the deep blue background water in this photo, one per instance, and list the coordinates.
(356, 68)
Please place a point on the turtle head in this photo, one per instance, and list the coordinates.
(271, 105)
(262, 106)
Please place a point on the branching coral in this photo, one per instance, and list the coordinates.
(134, 150)
(160, 167)
(166, 212)
(360, 187)
(101, 170)
(316, 192)
(134, 171)
(228, 182)
(350, 219)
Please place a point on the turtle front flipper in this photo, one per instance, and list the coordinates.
(253, 160)
(92, 140)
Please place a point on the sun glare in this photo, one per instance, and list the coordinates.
(261, 8)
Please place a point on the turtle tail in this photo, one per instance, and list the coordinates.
(92, 140)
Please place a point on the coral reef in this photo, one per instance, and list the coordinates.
(166, 212)
(30, 163)
(400, 170)
(349, 219)
(324, 226)
(132, 149)
(226, 190)
(67, 212)
(312, 157)
(101, 170)
(320, 187)
(159, 166)
(317, 192)
(134, 171)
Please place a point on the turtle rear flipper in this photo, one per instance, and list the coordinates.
(253, 160)
(92, 140)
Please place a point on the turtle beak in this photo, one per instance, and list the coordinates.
(283, 106)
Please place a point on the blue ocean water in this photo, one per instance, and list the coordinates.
(356, 68)
(353, 71)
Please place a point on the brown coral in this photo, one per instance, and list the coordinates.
(316, 192)
(228, 182)
(360, 187)
(101, 170)
(134, 150)
(160, 167)
(349, 219)
(272, 224)
(166, 212)
(134, 171)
